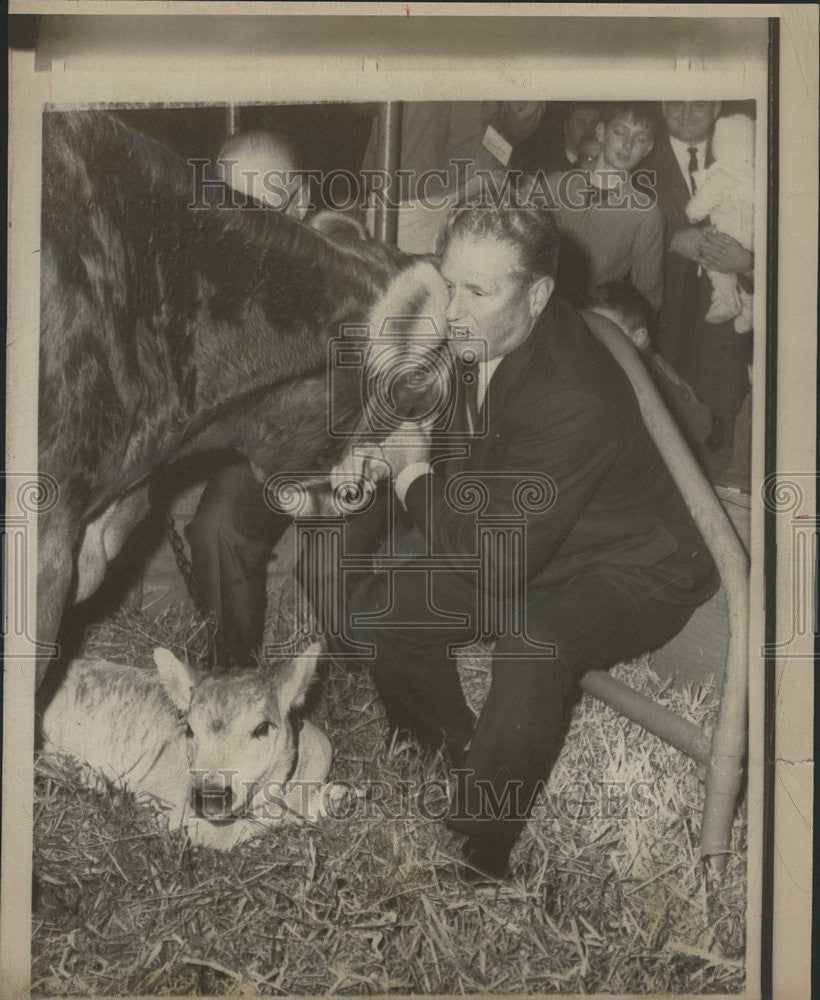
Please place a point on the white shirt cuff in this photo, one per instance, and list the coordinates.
(408, 475)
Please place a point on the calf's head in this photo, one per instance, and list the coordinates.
(238, 732)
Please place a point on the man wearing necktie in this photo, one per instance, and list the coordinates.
(613, 566)
(712, 358)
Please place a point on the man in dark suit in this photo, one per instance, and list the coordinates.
(712, 358)
(556, 144)
(611, 566)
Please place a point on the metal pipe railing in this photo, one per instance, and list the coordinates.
(729, 736)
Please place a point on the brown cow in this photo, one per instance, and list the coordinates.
(173, 321)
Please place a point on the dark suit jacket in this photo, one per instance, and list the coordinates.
(711, 357)
(543, 150)
(685, 293)
(561, 406)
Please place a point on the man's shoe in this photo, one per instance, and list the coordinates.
(484, 863)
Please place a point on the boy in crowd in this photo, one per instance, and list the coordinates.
(610, 230)
(624, 305)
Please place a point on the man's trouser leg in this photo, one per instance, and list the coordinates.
(417, 682)
(231, 537)
(594, 622)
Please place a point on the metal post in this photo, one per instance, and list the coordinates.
(386, 221)
(232, 114)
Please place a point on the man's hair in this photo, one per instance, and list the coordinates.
(279, 147)
(623, 297)
(572, 106)
(642, 113)
(505, 207)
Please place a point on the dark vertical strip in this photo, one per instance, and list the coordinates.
(233, 115)
(769, 518)
(815, 614)
(389, 130)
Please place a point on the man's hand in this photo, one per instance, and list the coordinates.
(370, 463)
(408, 444)
(722, 253)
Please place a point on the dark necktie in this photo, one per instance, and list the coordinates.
(467, 395)
(464, 419)
(693, 166)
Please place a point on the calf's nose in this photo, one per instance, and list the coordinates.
(212, 800)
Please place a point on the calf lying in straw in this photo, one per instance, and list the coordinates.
(220, 753)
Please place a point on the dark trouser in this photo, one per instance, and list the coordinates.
(712, 357)
(595, 621)
(716, 366)
(231, 537)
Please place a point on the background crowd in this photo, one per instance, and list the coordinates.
(680, 285)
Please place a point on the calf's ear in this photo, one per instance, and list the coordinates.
(293, 682)
(177, 678)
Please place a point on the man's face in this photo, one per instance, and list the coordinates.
(690, 121)
(580, 125)
(624, 143)
(486, 298)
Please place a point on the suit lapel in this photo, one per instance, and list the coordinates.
(508, 379)
(669, 168)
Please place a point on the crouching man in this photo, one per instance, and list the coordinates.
(612, 567)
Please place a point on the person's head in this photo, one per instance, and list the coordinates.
(690, 121)
(626, 307)
(627, 134)
(579, 125)
(588, 153)
(498, 264)
(265, 166)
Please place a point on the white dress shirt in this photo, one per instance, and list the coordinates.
(412, 472)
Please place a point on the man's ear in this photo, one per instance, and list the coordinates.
(540, 292)
(600, 131)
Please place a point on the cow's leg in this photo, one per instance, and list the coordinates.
(55, 566)
(104, 537)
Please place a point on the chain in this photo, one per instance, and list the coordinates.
(186, 569)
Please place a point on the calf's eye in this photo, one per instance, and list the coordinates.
(262, 730)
